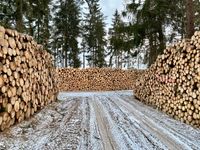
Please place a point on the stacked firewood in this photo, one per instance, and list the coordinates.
(172, 84)
(26, 77)
(95, 79)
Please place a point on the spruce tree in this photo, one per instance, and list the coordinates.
(150, 19)
(38, 19)
(94, 34)
(115, 40)
(67, 20)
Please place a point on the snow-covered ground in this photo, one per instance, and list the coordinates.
(100, 120)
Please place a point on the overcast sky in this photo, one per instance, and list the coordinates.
(109, 7)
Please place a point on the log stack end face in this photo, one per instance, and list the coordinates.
(172, 84)
(26, 77)
(95, 79)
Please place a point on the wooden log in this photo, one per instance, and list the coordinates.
(25, 71)
(172, 83)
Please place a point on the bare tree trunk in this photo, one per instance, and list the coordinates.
(151, 50)
(55, 56)
(66, 59)
(19, 16)
(118, 61)
(93, 58)
(30, 27)
(38, 32)
(83, 59)
(63, 59)
(121, 65)
(161, 42)
(110, 61)
(128, 66)
(189, 18)
(115, 61)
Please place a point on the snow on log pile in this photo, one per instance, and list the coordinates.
(26, 77)
(95, 79)
(172, 84)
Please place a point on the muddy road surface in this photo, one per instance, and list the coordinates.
(100, 121)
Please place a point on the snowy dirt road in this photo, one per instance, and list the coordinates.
(97, 121)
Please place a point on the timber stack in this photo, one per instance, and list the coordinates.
(172, 83)
(95, 79)
(26, 77)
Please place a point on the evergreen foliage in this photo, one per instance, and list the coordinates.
(76, 36)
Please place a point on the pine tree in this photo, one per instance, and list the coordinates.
(67, 31)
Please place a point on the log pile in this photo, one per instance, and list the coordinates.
(172, 84)
(26, 77)
(95, 79)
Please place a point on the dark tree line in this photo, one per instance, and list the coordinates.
(74, 31)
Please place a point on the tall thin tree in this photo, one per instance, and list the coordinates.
(67, 20)
(94, 34)
(189, 18)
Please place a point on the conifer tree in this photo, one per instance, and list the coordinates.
(7, 17)
(115, 40)
(94, 34)
(152, 17)
(38, 18)
(67, 31)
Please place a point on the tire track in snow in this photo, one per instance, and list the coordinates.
(99, 120)
(170, 140)
(184, 131)
(104, 129)
(140, 137)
